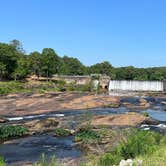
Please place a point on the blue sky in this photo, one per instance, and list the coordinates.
(123, 32)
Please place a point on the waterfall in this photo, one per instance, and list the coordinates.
(129, 85)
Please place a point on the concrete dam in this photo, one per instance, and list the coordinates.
(130, 85)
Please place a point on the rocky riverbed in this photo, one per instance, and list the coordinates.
(43, 113)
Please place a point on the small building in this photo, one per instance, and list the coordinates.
(104, 81)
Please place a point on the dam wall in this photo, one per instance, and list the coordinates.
(130, 85)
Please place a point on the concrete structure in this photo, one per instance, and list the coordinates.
(104, 81)
(127, 85)
(79, 80)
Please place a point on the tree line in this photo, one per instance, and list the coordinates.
(16, 64)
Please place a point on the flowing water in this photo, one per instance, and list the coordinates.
(29, 149)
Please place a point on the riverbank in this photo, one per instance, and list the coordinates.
(86, 117)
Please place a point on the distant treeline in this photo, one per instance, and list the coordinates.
(16, 64)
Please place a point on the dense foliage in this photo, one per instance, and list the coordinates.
(15, 64)
(9, 131)
(139, 143)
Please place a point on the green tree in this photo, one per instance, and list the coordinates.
(22, 69)
(125, 73)
(50, 62)
(35, 63)
(72, 66)
(17, 45)
(2, 70)
(102, 68)
(8, 59)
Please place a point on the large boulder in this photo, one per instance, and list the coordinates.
(42, 125)
(144, 103)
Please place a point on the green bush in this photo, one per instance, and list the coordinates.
(10, 87)
(79, 88)
(62, 132)
(61, 85)
(2, 161)
(145, 145)
(145, 114)
(4, 90)
(140, 142)
(8, 131)
(86, 135)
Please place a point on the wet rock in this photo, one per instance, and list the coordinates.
(42, 125)
(144, 103)
(112, 105)
(139, 106)
(129, 119)
(3, 120)
(150, 121)
(163, 102)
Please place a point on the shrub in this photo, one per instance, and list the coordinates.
(10, 87)
(79, 88)
(145, 114)
(86, 135)
(61, 85)
(140, 142)
(2, 162)
(62, 132)
(145, 145)
(9, 131)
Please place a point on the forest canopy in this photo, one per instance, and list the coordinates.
(16, 64)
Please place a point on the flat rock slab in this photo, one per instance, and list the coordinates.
(129, 119)
(20, 105)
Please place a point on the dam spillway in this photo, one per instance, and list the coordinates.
(131, 85)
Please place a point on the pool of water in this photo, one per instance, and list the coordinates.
(29, 149)
(157, 114)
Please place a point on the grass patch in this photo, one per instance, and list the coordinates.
(44, 162)
(8, 131)
(62, 132)
(87, 136)
(158, 158)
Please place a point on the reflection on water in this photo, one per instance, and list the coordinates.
(157, 114)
